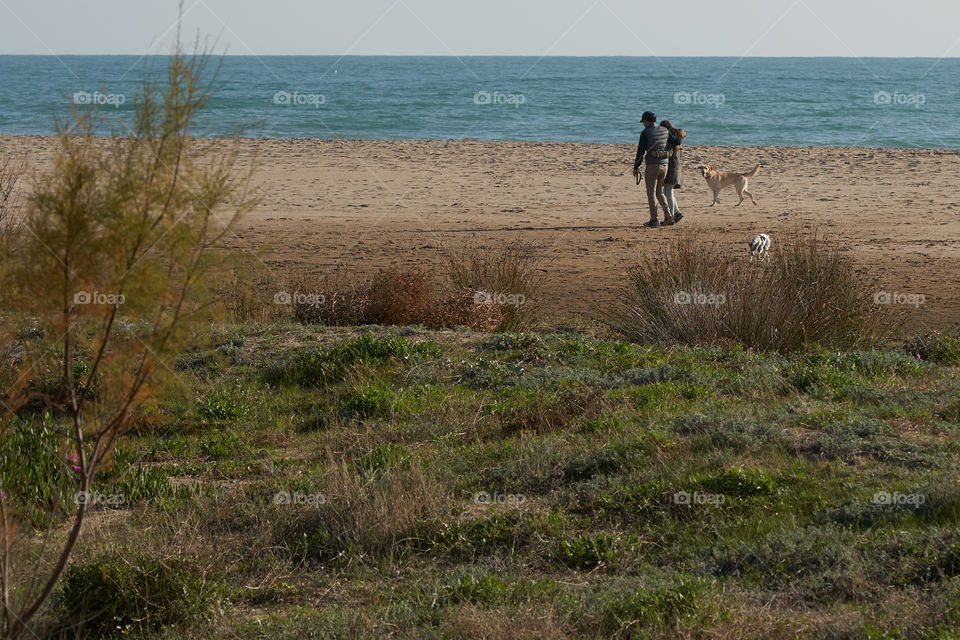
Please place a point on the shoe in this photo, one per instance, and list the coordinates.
(677, 217)
(667, 222)
(652, 224)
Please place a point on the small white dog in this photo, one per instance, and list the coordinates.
(759, 246)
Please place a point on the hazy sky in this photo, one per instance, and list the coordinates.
(491, 27)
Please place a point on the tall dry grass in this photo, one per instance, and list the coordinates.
(484, 290)
(510, 271)
(697, 292)
(12, 169)
(392, 296)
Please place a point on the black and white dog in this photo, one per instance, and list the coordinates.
(759, 246)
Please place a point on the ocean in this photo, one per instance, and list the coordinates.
(877, 102)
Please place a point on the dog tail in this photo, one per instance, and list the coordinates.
(755, 171)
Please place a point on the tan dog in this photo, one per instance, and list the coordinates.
(718, 180)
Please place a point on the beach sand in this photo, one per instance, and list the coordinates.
(361, 205)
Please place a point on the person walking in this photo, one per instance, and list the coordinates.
(672, 180)
(652, 153)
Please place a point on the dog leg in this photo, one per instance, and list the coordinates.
(751, 198)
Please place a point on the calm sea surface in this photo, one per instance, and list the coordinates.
(720, 101)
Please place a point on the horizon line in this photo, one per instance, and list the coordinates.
(494, 55)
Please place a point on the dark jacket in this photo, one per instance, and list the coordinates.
(673, 170)
(653, 144)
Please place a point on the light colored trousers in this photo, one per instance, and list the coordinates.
(672, 207)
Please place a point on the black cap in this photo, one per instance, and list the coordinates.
(647, 116)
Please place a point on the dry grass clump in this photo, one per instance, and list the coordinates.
(392, 296)
(461, 308)
(487, 291)
(695, 292)
(365, 514)
(401, 297)
(468, 621)
(12, 169)
(484, 291)
(247, 295)
(545, 414)
(509, 275)
(377, 509)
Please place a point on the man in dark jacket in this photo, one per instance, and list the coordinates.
(652, 151)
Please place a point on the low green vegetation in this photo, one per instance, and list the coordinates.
(298, 481)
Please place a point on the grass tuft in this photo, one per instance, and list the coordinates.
(695, 292)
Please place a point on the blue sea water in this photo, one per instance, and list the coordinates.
(881, 102)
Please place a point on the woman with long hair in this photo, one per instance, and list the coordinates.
(672, 181)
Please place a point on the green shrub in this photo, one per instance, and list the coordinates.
(872, 363)
(367, 401)
(486, 589)
(935, 347)
(587, 552)
(613, 457)
(470, 539)
(782, 556)
(644, 607)
(606, 356)
(739, 483)
(738, 433)
(524, 342)
(318, 544)
(110, 596)
(949, 561)
(816, 378)
(317, 368)
(225, 404)
(490, 590)
(144, 484)
(34, 466)
(489, 374)
(384, 457)
(222, 445)
(651, 375)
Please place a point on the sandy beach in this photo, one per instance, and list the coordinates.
(360, 205)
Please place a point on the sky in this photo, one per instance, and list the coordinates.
(856, 28)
